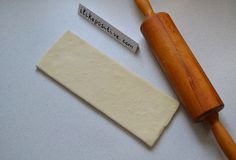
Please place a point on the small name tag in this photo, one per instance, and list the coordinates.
(108, 28)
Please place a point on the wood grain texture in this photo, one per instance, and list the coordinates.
(181, 67)
(185, 74)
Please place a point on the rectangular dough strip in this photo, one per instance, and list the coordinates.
(124, 97)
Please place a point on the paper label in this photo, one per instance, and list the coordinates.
(108, 28)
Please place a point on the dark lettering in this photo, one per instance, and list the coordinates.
(127, 44)
(116, 36)
(84, 12)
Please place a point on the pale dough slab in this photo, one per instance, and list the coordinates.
(125, 98)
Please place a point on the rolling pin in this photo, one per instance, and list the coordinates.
(184, 73)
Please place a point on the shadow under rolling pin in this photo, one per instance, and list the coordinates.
(184, 73)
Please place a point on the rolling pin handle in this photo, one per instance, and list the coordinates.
(145, 7)
(222, 136)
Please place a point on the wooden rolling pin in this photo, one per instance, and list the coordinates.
(184, 73)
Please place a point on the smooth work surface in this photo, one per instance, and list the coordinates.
(41, 120)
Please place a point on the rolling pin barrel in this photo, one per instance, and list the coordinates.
(183, 71)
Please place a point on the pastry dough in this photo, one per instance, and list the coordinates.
(125, 98)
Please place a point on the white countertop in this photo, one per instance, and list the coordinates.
(41, 120)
